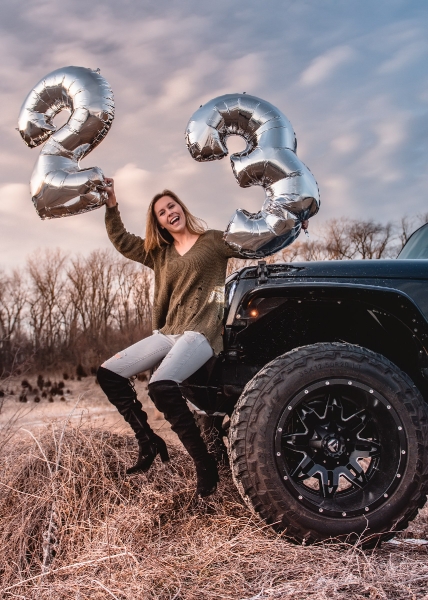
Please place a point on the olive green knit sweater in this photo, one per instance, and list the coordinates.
(189, 289)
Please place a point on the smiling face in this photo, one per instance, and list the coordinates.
(170, 215)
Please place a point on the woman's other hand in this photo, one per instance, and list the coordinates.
(109, 189)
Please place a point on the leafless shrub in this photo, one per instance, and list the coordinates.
(145, 537)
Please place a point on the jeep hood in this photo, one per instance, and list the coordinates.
(364, 269)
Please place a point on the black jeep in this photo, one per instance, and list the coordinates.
(324, 377)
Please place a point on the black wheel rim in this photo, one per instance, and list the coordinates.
(340, 448)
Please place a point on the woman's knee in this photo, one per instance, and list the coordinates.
(103, 375)
(107, 379)
(164, 393)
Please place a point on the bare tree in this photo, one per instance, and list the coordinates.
(369, 239)
(93, 290)
(142, 297)
(304, 250)
(12, 303)
(47, 300)
(78, 289)
(126, 274)
(337, 240)
(407, 226)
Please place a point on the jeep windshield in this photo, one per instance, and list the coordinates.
(417, 245)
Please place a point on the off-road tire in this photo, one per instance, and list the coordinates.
(254, 449)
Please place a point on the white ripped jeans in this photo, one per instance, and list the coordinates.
(181, 356)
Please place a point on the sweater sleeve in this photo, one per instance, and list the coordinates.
(131, 246)
(224, 248)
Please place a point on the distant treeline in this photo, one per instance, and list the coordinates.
(347, 239)
(62, 311)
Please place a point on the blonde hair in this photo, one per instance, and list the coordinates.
(156, 236)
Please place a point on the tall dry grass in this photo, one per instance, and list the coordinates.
(73, 526)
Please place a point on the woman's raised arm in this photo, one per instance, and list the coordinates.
(128, 244)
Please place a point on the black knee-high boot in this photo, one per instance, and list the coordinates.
(167, 398)
(121, 393)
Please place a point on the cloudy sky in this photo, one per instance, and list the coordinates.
(351, 75)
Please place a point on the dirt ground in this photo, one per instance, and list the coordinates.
(143, 537)
(79, 401)
(83, 402)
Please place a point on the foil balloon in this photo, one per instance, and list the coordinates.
(59, 187)
(269, 160)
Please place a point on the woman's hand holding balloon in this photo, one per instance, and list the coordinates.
(109, 190)
(305, 227)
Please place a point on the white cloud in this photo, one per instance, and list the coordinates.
(390, 134)
(130, 180)
(322, 67)
(246, 73)
(336, 192)
(15, 199)
(344, 144)
(350, 78)
(404, 57)
(22, 231)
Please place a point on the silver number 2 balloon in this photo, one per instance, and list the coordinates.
(59, 187)
(269, 160)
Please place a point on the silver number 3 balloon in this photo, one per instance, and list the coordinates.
(269, 160)
(59, 187)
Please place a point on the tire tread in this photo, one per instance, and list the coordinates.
(262, 495)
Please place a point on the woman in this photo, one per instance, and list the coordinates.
(189, 264)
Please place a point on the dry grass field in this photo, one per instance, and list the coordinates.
(74, 526)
